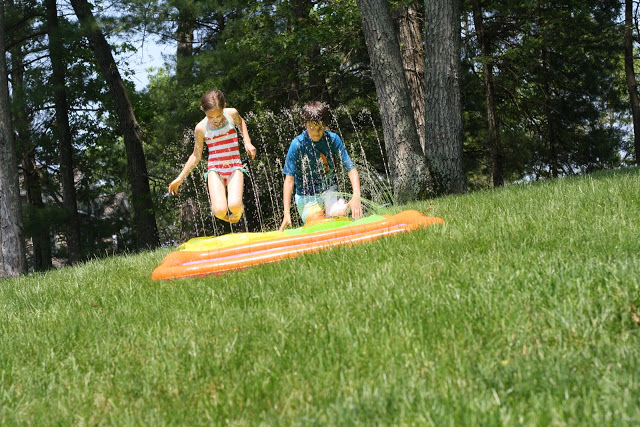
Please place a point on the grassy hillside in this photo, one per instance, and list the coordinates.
(520, 309)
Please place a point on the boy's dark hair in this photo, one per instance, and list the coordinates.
(315, 111)
(212, 100)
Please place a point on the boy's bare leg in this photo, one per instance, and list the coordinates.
(235, 187)
(217, 196)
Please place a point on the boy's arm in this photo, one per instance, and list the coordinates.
(337, 147)
(287, 189)
(355, 203)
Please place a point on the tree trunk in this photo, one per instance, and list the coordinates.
(145, 227)
(409, 23)
(552, 141)
(497, 171)
(312, 64)
(184, 51)
(293, 65)
(442, 87)
(407, 163)
(12, 249)
(631, 76)
(317, 81)
(40, 237)
(65, 143)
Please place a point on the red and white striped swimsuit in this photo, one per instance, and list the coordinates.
(224, 154)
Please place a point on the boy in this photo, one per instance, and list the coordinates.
(310, 165)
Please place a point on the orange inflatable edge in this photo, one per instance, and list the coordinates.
(182, 264)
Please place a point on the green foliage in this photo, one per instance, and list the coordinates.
(274, 56)
(270, 55)
(39, 222)
(98, 153)
(519, 310)
(557, 73)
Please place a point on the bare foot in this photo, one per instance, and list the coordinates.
(233, 218)
(223, 218)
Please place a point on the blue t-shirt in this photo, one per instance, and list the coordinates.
(311, 163)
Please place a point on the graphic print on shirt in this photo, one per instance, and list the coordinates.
(319, 173)
(326, 163)
(224, 154)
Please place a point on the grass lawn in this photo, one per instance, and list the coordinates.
(519, 310)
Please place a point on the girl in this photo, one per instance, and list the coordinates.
(224, 169)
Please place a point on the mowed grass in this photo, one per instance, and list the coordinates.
(519, 310)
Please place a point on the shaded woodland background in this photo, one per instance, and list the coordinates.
(546, 91)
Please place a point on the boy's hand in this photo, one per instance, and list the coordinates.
(356, 208)
(173, 187)
(285, 221)
(250, 149)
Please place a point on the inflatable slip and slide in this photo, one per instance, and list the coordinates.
(213, 255)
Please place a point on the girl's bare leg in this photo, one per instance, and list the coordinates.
(217, 196)
(235, 187)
